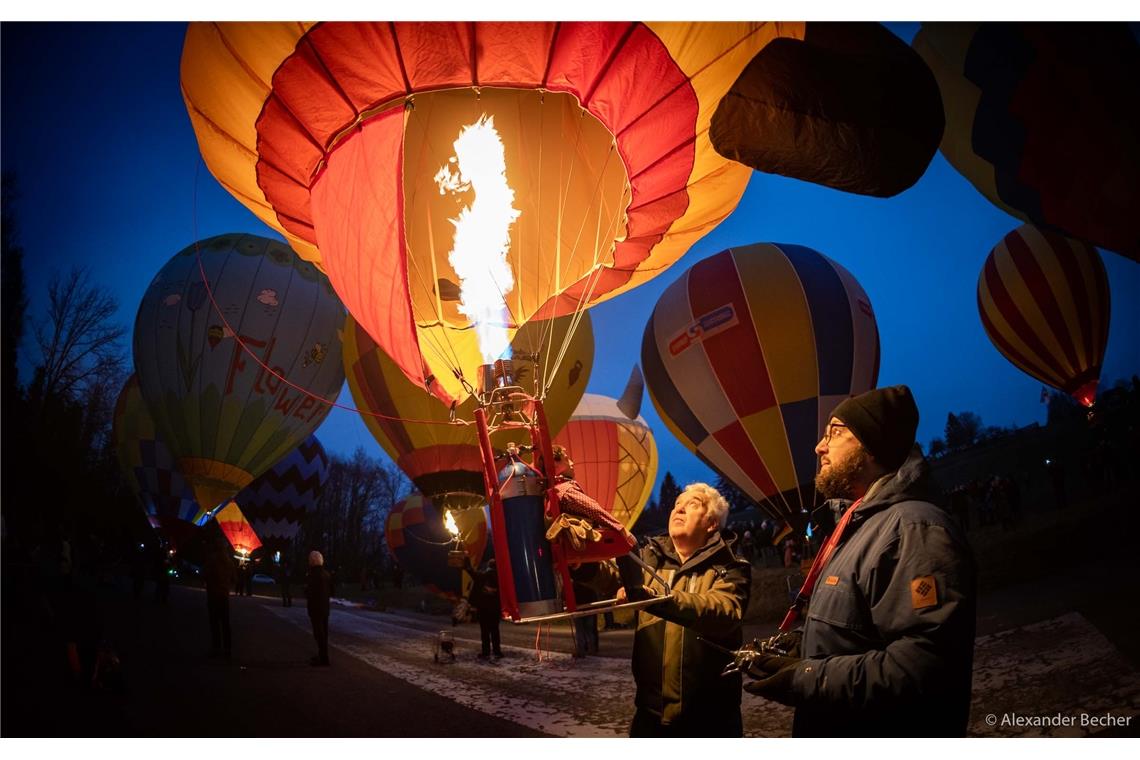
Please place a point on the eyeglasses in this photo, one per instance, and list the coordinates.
(831, 431)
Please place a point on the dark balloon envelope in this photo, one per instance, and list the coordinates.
(849, 106)
(746, 355)
(1044, 303)
(1044, 120)
(416, 535)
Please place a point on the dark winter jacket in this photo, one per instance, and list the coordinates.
(218, 572)
(678, 675)
(484, 595)
(888, 637)
(318, 591)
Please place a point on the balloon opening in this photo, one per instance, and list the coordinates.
(1086, 394)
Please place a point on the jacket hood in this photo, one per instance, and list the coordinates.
(912, 481)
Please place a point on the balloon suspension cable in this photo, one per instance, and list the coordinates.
(237, 338)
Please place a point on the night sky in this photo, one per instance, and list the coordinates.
(110, 177)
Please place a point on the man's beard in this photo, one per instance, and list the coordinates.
(839, 481)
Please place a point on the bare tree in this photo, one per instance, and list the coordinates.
(80, 346)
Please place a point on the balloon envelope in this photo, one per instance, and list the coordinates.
(277, 502)
(148, 467)
(225, 417)
(747, 353)
(237, 529)
(335, 134)
(1044, 120)
(615, 458)
(1044, 303)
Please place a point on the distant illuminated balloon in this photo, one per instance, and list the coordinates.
(277, 502)
(1044, 303)
(335, 134)
(438, 457)
(1044, 120)
(615, 458)
(747, 353)
(225, 417)
(237, 529)
(148, 467)
(416, 535)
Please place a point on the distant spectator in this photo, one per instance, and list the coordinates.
(318, 593)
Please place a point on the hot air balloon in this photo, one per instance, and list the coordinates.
(416, 534)
(148, 467)
(595, 170)
(237, 530)
(1044, 120)
(745, 356)
(278, 500)
(849, 106)
(440, 458)
(615, 458)
(224, 415)
(1044, 303)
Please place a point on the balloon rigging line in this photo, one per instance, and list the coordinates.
(249, 351)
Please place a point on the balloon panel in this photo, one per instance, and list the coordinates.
(1044, 303)
(237, 529)
(277, 502)
(225, 418)
(747, 353)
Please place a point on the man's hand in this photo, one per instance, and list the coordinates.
(774, 675)
(785, 643)
(635, 594)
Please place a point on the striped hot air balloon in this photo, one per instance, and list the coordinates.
(747, 353)
(615, 458)
(1044, 303)
(415, 533)
(277, 502)
(438, 457)
(148, 467)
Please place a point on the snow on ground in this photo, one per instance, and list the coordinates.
(1062, 666)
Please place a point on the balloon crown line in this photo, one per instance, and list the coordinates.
(453, 421)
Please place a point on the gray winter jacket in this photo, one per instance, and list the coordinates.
(888, 637)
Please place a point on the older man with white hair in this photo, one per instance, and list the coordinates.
(317, 594)
(679, 648)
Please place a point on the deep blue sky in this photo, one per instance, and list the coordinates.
(94, 125)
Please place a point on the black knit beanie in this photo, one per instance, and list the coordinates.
(884, 420)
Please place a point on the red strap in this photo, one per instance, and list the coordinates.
(817, 566)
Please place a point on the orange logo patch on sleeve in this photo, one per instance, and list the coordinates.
(832, 580)
(923, 592)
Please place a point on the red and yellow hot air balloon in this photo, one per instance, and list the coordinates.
(1044, 303)
(411, 424)
(615, 458)
(237, 529)
(747, 353)
(349, 139)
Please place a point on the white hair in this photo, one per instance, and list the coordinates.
(316, 559)
(711, 498)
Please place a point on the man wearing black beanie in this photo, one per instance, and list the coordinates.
(887, 639)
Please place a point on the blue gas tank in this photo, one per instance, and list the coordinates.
(531, 559)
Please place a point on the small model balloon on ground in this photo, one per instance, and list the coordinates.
(231, 364)
(277, 502)
(1044, 303)
(746, 354)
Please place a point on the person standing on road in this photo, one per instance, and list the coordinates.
(318, 592)
(888, 607)
(219, 577)
(283, 572)
(484, 597)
